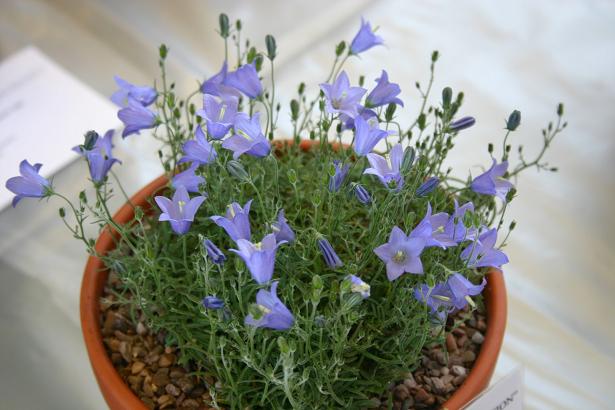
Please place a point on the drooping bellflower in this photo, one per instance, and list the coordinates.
(461, 289)
(364, 39)
(30, 184)
(99, 156)
(461, 124)
(481, 252)
(143, 94)
(136, 118)
(188, 179)
(387, 168)
(427, 186)
(281, 229)
(237, 221)
(367, 136)
(491, 182)
(199, 150)
(365, 113)
(341, 98)
(219, 116)
(248, 137)
(274, 314)
(401, 254)
(336, 181)
(245, 79)
(212, 302)
(180, 210)
(362, 194)
(215, 84)
(331, 259)
(384, 93)
(358, 286)
(443, 230)
(213, 252)
(259, 257)
(437, 298)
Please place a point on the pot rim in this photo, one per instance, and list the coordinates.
(118, 394)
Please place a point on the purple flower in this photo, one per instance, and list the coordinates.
(188, 179)
(274, 314)
(443, 230)
(364, 39)
(215, 84)
(136, 118)
(461, 124)
(461, 289)
(237, 221)
(213, 252)
(30, 184)
(331, 258)
(362, 195)
(219, 116)
(384, 93)
(336, 181)
(248, 137)
(99, 157)
(481, 253)
(365, 113)
(212, 302)
(358, 286)
(387, 169)
(180, 210)
(491, 182)
(144, 95)
(401, 254)
(367, 136)
(259, 257)
(438, 298)
(281, 229)
(199, 150)
(245, 79)
(341, 97)
(427, 186)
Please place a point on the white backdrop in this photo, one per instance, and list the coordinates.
(522, 55)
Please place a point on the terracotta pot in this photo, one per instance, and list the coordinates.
(120, 397)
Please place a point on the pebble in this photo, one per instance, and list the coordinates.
(438, 385)
(468, 356)
(161, 377)
(166, 360)
(451, 344)
(421, 395)
(458, 370)
(137, 367)
(172, 390)
(478, 338)
(401, 392)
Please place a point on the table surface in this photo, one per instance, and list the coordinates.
(522, 55)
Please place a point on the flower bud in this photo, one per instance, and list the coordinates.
(163, 51)
(427, 186)
(90, 140)
(329, 255)
(339, 49)
(461, 124)
(447, 96)
(236, 169)
(62, 212)
(271, 46)
(434, 56)
(294, 110)
(283, 345)
(251, 55)
(560, 109)
(514, 119)
(362, 194)
(224, 25)
(213, 252)
(408, 159)
(390, 112)
(292, 176)
(212, 302)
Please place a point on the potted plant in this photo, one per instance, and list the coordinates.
(301, 273)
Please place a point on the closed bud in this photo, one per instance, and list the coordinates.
(236, 169)
(294, 109)
(62, 213)
(317, 282)
(511, 194)
(434, 56)
(447, 96)
(138, 213)
(321, 105)
(301, 88)
(258, 62)
(361, 80)
(163, 51)
(461, 124)
(390, 112)
(427, 186)
(271, 46)
(224, 25)
(292, 176)
(251, 55)
(331, 170)
(83, 197)
(90, 140)
(339, 49)
(514, 119)
(408, 159)
(238, 25)
(312, 135)
(362, 194)
(560, 109)
(512, 226)
(490, 148)
(422, 121)
(283, 345)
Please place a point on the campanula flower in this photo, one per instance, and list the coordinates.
(99, 156)
(437, 298)
(259, 257)
(219, 116)
(213, 252)
(461, 289)
(358, 286)
(136, 118)
(144, 95)
(215, 84)
(237, 221)
(362, 194)
(188, 179)
(461, 124)
(331, 258)
(30, 184)
(401, 254)
(367, 136)
(384, 93)
(481, 252)
(180, 210)
(212, 302)
(364, 39)
(427, 186)
(491, 182)
(275, 315)
(281, 229)
(248, 137)
(198, 150)
(387, 168)
(341, 97)
(245, 79)
(365, 113)
(443, 230)
(336, 181)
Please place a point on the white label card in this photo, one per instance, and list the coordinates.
(44, 112)
(505, 394)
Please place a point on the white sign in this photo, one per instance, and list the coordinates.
(506, 394)
(44, 112)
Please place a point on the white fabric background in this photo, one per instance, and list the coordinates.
(522, 55)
